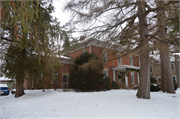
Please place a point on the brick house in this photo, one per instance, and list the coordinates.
(123, 70)
(62, 74)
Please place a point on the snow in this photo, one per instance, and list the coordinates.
(113, 104)
(5, 79)
(3, 85)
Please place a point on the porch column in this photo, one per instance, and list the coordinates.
(114, 75)
(126, 78)
(138, 77)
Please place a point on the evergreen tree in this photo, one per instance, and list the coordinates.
(29, 27)
(86, 74)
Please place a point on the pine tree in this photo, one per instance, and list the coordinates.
(86, 74)
(29, 27)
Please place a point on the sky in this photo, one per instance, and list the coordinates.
(63, 16)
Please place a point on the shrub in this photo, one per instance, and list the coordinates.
(153, 80)
(86, 73)
(154, 88)
(114, 85)
(106, 83)
(175, 86)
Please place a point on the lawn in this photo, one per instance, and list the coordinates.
(111, 104)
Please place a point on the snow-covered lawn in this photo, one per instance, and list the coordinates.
(111, 104)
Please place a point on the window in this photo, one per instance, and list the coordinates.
(54, 77)
(104, 56)
(152, 61)
(131, 60)
(132, 77)
(65, 81)
(119, 60)
(39, 78)
(174, 78)
(151, 69)
(172, 66)
(105, 72)
(84, 51)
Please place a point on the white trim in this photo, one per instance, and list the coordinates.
(123, 67)
(126, 78)
(114, 75)
(138, 77)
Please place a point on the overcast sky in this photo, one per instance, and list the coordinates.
(63, 16)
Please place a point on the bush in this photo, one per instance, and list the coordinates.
(86, 74)
(154, 88)
(114, 85)
(153, 80)
(175, 86)
(106, 83)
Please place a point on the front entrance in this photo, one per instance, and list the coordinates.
(65, 81)
(120, 76)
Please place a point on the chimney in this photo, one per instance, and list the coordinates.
(82, 38)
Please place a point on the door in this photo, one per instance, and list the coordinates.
(120, 78)
(65, 81)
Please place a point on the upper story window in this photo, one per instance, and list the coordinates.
(104, 53)
(172, 66)
(151, 69)
(119, 60)
(105, 72)
(84, 51)
(151, 61)
(131, 60)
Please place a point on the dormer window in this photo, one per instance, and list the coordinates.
(131, 60)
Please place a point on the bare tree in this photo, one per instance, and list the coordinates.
(166, 74)
(144, 86)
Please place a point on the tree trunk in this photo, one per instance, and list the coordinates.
(20, 76)
(166, 73)
(144, 86)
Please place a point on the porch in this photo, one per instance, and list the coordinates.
(121, 75)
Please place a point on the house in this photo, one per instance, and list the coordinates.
(155, 70)
(10, 82)
(123, 69)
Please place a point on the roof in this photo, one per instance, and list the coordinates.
(124, 67)
(95, 42)
(5, 79)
